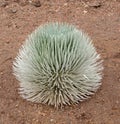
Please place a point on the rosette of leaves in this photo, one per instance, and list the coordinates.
(58, 65)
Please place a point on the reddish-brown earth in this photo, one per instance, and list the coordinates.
(100, 19)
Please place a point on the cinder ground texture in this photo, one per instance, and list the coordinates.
(100, 19)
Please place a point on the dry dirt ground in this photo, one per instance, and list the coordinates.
(100, 19)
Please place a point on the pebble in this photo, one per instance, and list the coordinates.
(95, 4)
(7, 42)
(65, 4)
(35, 3)
(16, 105)
(1, 73)
(3, 3)
(23, 2)
(85, 11)
(51, 120)
(117, 102)
(41, 113)
(13, 10)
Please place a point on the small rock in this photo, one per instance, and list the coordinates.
(35, 3)
(1, 73)
(41, 113)
(16, 105)
(85, 11)
(95, 4)
(13, 10)
(65, 4)
(51, 120)
(7, 42)
(3, 3)
(117, 55)
(85, 116)
(117, 102)
(114, 108)
(23, 2)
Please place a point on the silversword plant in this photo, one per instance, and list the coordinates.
(58, 65)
